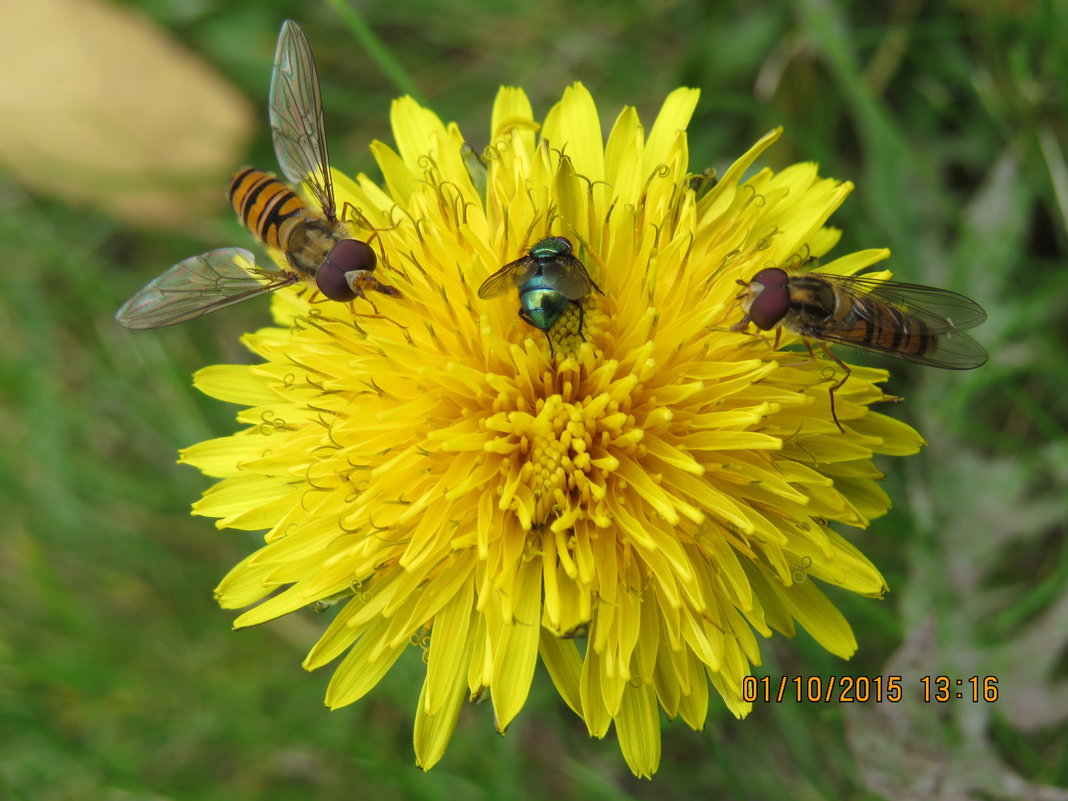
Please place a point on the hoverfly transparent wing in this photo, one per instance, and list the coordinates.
(197, 286)
(939, 308)
(508, 277)
(296, 113)
(569, 277)
(954, 350)
(922, 311)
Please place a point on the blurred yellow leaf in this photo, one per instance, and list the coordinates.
(99, 106)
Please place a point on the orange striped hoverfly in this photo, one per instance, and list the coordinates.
(919, 323)
(316, 244)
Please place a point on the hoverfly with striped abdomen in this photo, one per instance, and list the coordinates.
(919, 323)
(317, 245)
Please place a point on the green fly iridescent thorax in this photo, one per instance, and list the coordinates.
(550, 247)
(551, 262)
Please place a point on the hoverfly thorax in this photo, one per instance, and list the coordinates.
(308, 243)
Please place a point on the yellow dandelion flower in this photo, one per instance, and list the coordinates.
(631, 496)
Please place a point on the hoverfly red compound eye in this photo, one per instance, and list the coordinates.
(347, 256)
(771, 298)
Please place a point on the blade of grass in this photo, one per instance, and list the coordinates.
(375, 49)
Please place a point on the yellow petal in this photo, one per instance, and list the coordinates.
(638, 729)
(416, 130)
(432, 732)
(674, 117)
(358, 672)
(515, 646)
(574, 127)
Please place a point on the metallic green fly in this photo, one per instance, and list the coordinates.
(549, 279)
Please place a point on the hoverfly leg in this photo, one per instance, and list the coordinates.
(348, 212)
(741, 325)
(772, 344)
(353, 216)
(837, 384)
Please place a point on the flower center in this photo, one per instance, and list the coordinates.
(563, 474)
(563, 456)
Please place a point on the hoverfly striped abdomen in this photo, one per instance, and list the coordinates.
(884, 327)
(263, 204)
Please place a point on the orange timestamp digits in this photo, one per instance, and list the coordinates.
(825, 689)
(866, 689)
(940, 689)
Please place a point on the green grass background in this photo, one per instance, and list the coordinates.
(120, 679)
